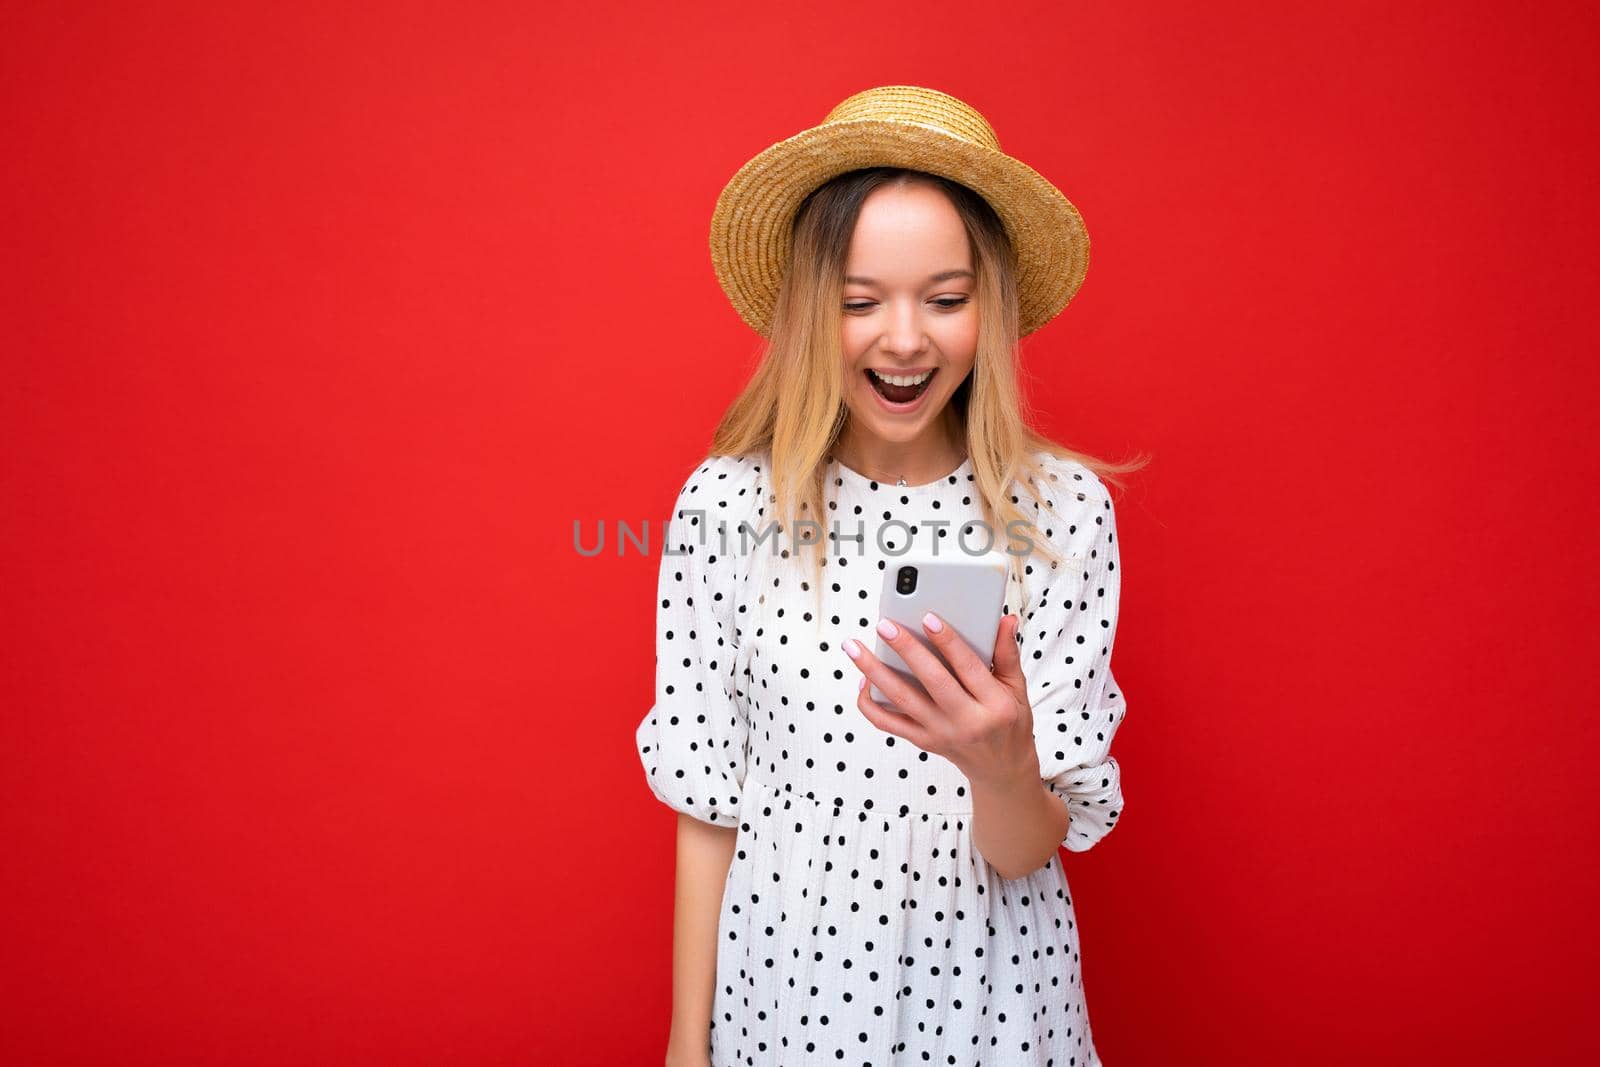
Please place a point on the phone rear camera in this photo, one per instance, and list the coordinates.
(906, 580)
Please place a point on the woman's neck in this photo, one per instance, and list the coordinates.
(919, 462)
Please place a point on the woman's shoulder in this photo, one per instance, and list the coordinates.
(1065, 481)
(1075, 518)
(721, 495)
(725, 486)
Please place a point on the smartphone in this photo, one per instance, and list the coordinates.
(967, 592)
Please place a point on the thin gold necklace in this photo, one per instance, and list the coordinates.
(899, 481)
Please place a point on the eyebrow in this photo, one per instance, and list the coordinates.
(942, 276)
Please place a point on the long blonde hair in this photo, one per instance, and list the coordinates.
(793, 407)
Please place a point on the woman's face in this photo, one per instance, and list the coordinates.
(909, 312)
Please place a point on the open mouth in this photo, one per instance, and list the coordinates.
(898, 388)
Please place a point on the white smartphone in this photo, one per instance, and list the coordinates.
(967, 592)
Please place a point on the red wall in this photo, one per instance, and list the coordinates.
(322, 323)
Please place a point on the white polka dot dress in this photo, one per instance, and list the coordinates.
(859, 925)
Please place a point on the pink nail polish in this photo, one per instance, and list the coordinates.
(888, 629)
(852, 649)
(931, 621)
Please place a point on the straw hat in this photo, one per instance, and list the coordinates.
(898, 126)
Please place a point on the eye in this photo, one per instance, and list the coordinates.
(945, 303)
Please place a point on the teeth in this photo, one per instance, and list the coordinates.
(894, 379)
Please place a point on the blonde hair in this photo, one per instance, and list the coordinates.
(793, 407)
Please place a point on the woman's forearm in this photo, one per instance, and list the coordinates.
(704, 854)
(1017, 825)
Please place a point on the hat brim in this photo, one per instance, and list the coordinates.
(751, 228)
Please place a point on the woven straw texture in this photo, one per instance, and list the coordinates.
(898, 126)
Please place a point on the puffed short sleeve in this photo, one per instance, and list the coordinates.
(692, 742)
(1066, 636)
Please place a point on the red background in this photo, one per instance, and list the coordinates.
(323, 323)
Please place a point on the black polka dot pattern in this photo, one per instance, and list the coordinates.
(858, 923)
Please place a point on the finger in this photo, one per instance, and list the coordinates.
(947, 693)
(901, 726)
(1008, 656)
(970, 671)
(901, 693)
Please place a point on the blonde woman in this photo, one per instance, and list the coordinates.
(857, 884)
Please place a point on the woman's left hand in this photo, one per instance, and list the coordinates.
(979, 720)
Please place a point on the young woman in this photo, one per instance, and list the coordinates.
(857, 884)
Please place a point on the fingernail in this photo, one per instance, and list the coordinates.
(863, 684)
(931, 621)
(852, 649)
(888, 629)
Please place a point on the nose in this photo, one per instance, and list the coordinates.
(903, 336)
